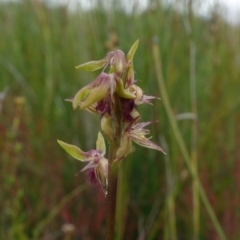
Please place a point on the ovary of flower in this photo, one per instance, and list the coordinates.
(125, 148)
(106, 126)
(95, 158)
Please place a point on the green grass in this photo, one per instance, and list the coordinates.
(39, 48)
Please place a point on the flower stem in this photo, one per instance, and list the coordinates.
(111, 202)
(113, 171)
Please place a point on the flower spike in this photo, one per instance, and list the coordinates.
(115, 97)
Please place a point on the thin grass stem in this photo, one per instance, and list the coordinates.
(194, 125)
(180, 141)
(170, 198)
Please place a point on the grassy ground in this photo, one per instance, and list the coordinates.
(39, 47)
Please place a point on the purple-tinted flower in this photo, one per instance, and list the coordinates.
(103, 85)
(136, 132)
(115, 60)
(97, 167)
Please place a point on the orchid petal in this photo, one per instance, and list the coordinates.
(123, 92)
(130, 77)
(144, 142)
(101, 173)
(104, 167)
(100, 145)
(142, 125)
(132, 51)
(130, 72)
(95, 95)
(80, 95)
(88, 166)
(117, 61)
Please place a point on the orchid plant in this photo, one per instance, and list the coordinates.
(114, 96)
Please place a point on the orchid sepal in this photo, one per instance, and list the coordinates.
(73, 150)
(92, 65)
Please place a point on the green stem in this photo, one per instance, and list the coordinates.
(111, 203)
(182, 146)
(113, 170)
(193, 97)
(171, 230)
(122, 199)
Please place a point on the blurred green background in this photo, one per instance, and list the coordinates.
(40, 43)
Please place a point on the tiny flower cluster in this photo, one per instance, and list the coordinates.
(114, 96)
